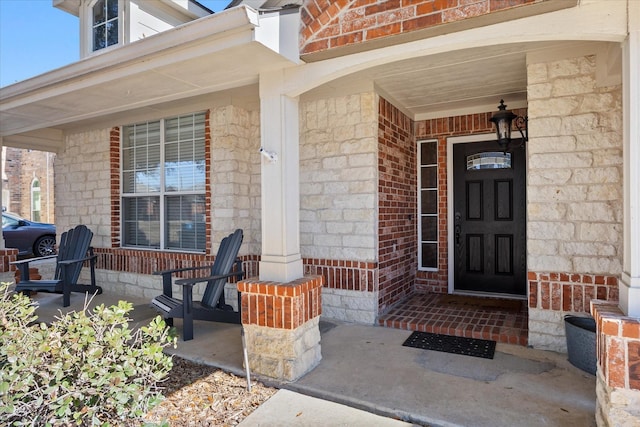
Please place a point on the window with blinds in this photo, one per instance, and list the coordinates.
(428, 205)
(163, 184)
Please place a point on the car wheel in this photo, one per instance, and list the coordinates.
(44, 246)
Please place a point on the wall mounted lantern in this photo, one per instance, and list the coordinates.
(502, 119)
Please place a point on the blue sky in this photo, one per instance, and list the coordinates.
(35, 37)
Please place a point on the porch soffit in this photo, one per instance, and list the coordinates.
(217, 53)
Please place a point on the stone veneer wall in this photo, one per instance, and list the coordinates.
(574, 194)
(87, 178)
(338, 201)
(397, 206)
(82, 177)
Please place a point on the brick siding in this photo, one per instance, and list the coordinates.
(397, 205)
(21, 168)
(334, 24)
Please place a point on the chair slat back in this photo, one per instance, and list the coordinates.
(227, 254)
(74, 244)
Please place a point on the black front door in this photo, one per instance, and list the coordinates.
(489, 219)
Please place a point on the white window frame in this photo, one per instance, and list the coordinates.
(86, 40)
(162, 194)
(32, 204)
(420, 213)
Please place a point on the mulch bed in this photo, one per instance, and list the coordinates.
(200, 395)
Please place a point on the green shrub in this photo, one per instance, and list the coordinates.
(86, 368)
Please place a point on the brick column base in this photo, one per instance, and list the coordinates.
(618, 376)
(281, 324)
(7, 271)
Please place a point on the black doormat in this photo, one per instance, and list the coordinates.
(450, 344)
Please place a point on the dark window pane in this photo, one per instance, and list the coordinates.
(429, 202)
(99, 40)
(99, 12)
(429, 177)
(429, 153)
(185, 223)
(112, 9)
(112, 33)
(142, 222)
(429, 255)
(429, 228)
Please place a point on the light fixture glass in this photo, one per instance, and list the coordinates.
(502, 120)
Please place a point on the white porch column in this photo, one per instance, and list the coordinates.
(630, 280)
(281, 260)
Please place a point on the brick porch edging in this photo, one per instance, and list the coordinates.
(618, 345)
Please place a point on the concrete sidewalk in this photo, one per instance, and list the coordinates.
(366, 368)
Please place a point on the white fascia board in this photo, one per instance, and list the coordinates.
(69, 6)
(233, 25)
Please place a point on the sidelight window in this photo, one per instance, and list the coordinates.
(428, 205)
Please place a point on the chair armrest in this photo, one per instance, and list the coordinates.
(75, 261)
(28, 260)
(193, 281)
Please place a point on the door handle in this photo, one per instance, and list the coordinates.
(458, 228)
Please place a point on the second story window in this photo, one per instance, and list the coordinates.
(105, 24)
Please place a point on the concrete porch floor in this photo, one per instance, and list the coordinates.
(366, 367)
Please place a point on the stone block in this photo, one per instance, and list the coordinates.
(537, 73)
(539, 177)
(551, 144)
(549, 263)
(542, 247)
(607, 157)
(550, 231)
(587, 248)
(537, 91)
(599, 232)
(540, 211)
(547, 342)
(284, 354)
(564, 68)
(592, 212)
(561, 160)
(600, 265)
(574, 85)
(598, 140)
(609, 192)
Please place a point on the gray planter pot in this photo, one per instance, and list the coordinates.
(581, 342)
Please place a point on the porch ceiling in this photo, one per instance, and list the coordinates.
(214, 54)
(452, 83)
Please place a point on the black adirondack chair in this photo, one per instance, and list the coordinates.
(212, 307)
(73, 251)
